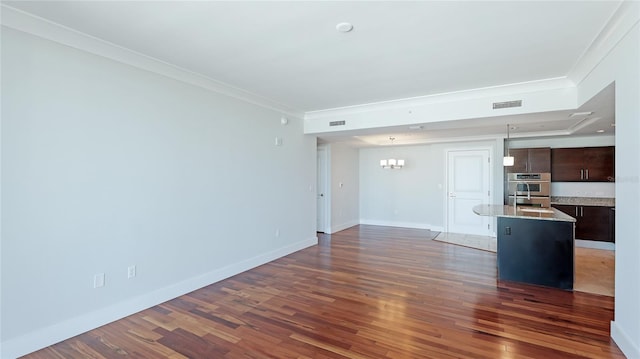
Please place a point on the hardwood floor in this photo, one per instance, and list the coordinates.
(366, 292)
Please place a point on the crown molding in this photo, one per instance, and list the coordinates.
(621, 22)
(23, 21)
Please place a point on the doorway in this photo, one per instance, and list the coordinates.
(321, 190)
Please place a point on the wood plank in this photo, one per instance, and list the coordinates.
(366, 292)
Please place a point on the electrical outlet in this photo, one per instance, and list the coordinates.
(131, 272)
(98, 280)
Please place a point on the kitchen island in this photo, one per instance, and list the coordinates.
(535, 245)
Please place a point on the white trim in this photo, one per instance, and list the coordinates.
(343, 226)
(46, 29)
(621, 22)
(58, 332)
(624, 342)
(595, 244)
(417, 225)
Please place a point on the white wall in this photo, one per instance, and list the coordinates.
(413, 196)
(345, 187)
(397, 197)
(622, 65)
(105, 166)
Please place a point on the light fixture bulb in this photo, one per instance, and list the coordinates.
(392, 163)
(508, 161)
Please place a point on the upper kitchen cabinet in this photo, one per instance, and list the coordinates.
(530, 160)
(585, 164)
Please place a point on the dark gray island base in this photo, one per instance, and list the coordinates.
(534, 246)
(536, 252)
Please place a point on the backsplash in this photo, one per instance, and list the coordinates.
(586, 189)
(584, 201)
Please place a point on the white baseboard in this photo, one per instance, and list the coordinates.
(595, 244)
(623, 341)
(44, 337)
(416, 225)
(343, 226)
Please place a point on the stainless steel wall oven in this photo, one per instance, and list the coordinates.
(529, 189)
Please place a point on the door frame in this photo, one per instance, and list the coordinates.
(323, 151)
(492, 189)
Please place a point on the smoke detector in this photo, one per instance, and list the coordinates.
(344, 27)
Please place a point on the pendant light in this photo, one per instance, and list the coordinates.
(508, 160)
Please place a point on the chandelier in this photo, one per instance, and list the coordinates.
(392, 163)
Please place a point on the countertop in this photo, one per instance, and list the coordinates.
(584, 201)
(498, 210)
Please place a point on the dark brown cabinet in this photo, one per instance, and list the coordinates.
(592, 222)
(530, 160)
(584, 164)
(612, 224)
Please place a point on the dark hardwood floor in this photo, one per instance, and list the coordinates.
(366, 292)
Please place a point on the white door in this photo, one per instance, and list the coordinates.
(321, 202)
(468, 184)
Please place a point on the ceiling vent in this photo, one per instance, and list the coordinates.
(507, 104)
(336, 123)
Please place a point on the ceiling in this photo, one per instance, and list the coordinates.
(292, 54)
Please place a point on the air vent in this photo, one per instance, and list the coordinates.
(507, 104)
(336, 123)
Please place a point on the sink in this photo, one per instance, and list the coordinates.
(536, 210)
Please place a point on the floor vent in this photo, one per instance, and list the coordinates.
(507, 104)
(337, 123)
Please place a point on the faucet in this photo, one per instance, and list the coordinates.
(515, 196)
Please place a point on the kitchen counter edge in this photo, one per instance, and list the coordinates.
(497, 210)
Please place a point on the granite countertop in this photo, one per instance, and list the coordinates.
(584, 201)
(498, 210)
